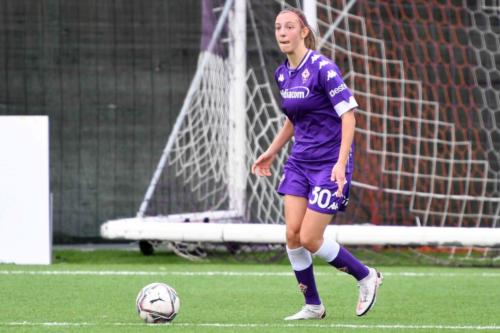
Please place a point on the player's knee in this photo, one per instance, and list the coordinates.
(310, 242)
(293, 237)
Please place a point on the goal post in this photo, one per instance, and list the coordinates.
(222, 231)
(204, 61)
(419, 179)
(237, 169)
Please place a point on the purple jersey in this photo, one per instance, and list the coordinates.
(314, 96)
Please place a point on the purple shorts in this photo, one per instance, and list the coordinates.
(312, 181)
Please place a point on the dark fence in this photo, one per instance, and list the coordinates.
(111, 75)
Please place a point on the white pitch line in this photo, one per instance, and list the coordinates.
(263, 325)
(232, 273)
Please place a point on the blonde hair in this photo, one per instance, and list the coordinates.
(310, 39)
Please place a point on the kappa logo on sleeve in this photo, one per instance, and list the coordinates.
(331, 74)
(281, 78)
(323, 63)
(314, 58)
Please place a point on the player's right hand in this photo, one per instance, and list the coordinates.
(262, 166)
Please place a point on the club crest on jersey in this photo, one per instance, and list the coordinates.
(299, 92)
(281, 78)
(305, 75)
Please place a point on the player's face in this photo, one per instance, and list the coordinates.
(289, 32)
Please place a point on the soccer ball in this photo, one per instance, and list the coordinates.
(157, 303)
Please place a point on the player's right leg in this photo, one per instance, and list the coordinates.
(301, 260)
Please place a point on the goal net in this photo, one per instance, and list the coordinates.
(425, 74)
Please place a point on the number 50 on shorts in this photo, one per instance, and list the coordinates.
(325, 198)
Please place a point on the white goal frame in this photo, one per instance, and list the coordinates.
(226, 226)
(172, 228)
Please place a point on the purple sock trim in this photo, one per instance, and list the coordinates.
(307, 285)
(346, 262)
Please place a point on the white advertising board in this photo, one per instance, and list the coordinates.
(25, 223)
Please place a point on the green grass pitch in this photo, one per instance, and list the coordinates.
(96, 291)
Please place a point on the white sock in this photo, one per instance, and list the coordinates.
(300, 258)
(329, 250)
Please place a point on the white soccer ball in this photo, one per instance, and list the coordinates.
(157, 303)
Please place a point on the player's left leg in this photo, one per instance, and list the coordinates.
(311, 236)
(322, 205)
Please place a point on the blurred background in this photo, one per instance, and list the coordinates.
(112, 76)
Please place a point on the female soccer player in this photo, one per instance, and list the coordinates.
(317, 175)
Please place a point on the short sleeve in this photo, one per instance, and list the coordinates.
(334, 86)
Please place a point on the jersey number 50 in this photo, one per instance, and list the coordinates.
(322, 198)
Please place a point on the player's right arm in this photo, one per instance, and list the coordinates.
(262, 166)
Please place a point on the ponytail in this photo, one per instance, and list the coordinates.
(310, 40)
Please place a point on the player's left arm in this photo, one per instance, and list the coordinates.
(344, 104)
(338, 171)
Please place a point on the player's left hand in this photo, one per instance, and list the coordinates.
(338, 176)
